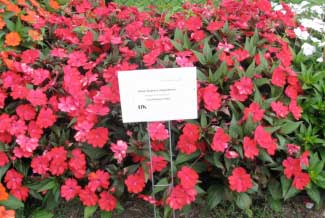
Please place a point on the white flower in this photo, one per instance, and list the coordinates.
(320, 59)
(308, 49)
(318, 9)
(278, 7)
(315, 24)
(314, 39)
(301, 34)
(322, 44)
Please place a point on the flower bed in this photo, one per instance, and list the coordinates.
(60, 127)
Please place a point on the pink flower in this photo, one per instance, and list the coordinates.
(211, 98)
(255, 111)
(119, 149)
(70, 189)
(98, 137)
(157, 131)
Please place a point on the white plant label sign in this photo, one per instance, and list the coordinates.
(158, 94)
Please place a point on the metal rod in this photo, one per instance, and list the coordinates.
(151, 170)
(171, 159)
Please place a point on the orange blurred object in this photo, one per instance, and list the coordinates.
(12, 39)
(3, 194)
(2, 23)
(35, 35)
(7, 213)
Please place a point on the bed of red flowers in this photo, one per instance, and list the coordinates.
(61, 134)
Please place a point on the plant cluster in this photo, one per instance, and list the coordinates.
(61, 132)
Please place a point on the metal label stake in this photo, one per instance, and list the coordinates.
(153, 186)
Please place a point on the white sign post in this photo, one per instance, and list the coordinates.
(158, 95)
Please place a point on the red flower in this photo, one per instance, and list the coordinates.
(136, 182)
(58, 164)
(291, 167)
(220, 141)
(157, 131)
(158, 163)
(26, 111)
(265, 140)
(119, 149)
(77, 59)
(241, 89)
(180, 197)
(151, 58)
(77, 163)
(193, 23)
(304, 159)
(3, 159)
(20, 192)
(88, 197)
(214, 26)
(187, 141)
(70, 189)
(188, 177)
(280, 109)
(255, 111)
(36, 97)
(211, 98)
(250, 148)
(30, 56)
(279, 76)
(107, 201)
(27, 144)
(98, 137)
(295, 110)
(240, 54)
(239, 180)
(45, 118)
(40, 164)
(301, 180)
(158, 146)
(98, 179)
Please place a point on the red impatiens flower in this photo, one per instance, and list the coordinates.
(45, 118)
(193, 23)
(107, 201)
(77, 163)
(291, 167)
(98, 137)
(30, 56)
(250, 148)
(20, 192)
(265, 140)
(241, 89)
(240, 181)
(295, 110)
(255, 111)
(214, 26)
(220, 141)
(180, 197)
(280, 109)
(157, 131)
(26, 112)
(158, 163)
(211, 98)
(37, 97)
(188, 177)
(240, 54)
(88, 197)
(70, 189)
(304, 161)
(279, 76)
(77, 59)
(40, 164)
(135, 182)
(187, 141)
(119, 149)
(301, 180)
(3, 159)
(98, 179)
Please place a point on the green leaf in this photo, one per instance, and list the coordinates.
(285, 185)
(215, 195)
(289, 127)
(89, 211)
(314, 194)
(276, 205)
(43, 185)
(181, 158)
(263, 155)
(200, 57)
(12, 203)
(42, 213)
(3, 170)
(203, 120)
(201, 76)
(106, 214)
(243, 201)
(161, 185)
(275, 190)
(291, 193)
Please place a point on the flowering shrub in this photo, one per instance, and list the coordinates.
(60, 128)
